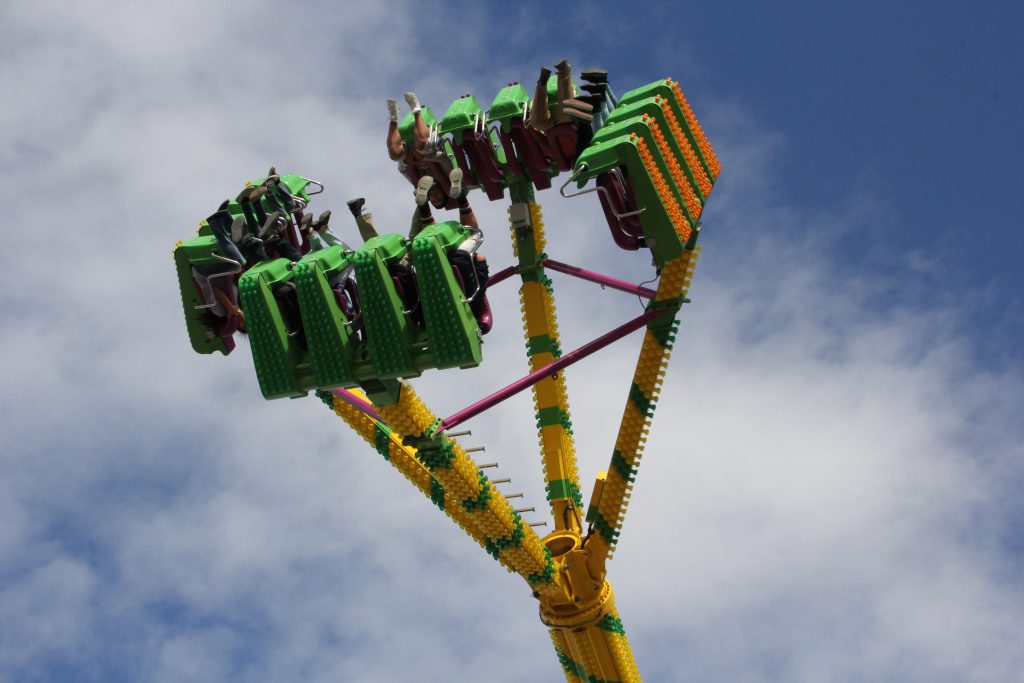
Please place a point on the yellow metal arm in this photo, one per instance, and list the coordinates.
(550, 396)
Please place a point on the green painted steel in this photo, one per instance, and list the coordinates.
(510, 103)
(282, 366)
(621, 131)
(578, 670)
(664, 90)
(452, 330)
(197, 251)
(390, 333)
(329, 336)
(612, 624)
(625, 470)
(634, 111)
(464, 114)
(563, 488)
(405, 128)
(657, 226)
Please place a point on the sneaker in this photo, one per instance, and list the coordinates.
(243, 196)
(393, 110)
(423, 189)
(562, 66)
(456, 179)
(356, 205)
(237, 229)
(594, 75)
(224, 205)
(545, 74)
(306, 224)
(412, 101)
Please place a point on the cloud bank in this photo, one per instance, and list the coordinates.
(829, 493)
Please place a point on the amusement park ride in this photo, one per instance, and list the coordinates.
(354, 325)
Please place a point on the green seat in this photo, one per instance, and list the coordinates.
(390, 332)
(282, 365)
(663, 88)
(658, 227)
(615, 132)
(510, 103)
(405, 128)
(452, 332)
(200, 250)
(330, 338)
(464, 114)
(651, 106)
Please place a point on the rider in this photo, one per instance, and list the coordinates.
(471, 264)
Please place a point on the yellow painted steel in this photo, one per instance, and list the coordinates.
(633, 429)
(403, 458)
(491, 516)
(550, 395)
(591, 644)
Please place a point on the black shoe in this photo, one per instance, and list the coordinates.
(282, 195)
(595, 88)
(593, 100)
(272, 226)
(562, 65)
(243, 196)
(321, 223)
(221, 217)
(594, 75)
(224, 205)
(545, 74)
(306, 224)
(356, 206)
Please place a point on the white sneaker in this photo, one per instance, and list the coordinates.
(456, 178)
(412, 101)
(393, 110)
(423, 189)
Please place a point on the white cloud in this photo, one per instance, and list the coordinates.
(828, 493)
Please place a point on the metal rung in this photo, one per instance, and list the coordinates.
(519, 511)
(538, 524)
(478, 449)
(513, 495)
(456, 434)
(501, 481)
(484, 467)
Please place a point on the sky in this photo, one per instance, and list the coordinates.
(831, 490)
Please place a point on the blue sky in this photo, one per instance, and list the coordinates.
(831, 488)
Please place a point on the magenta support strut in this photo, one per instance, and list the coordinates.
(551, 368)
